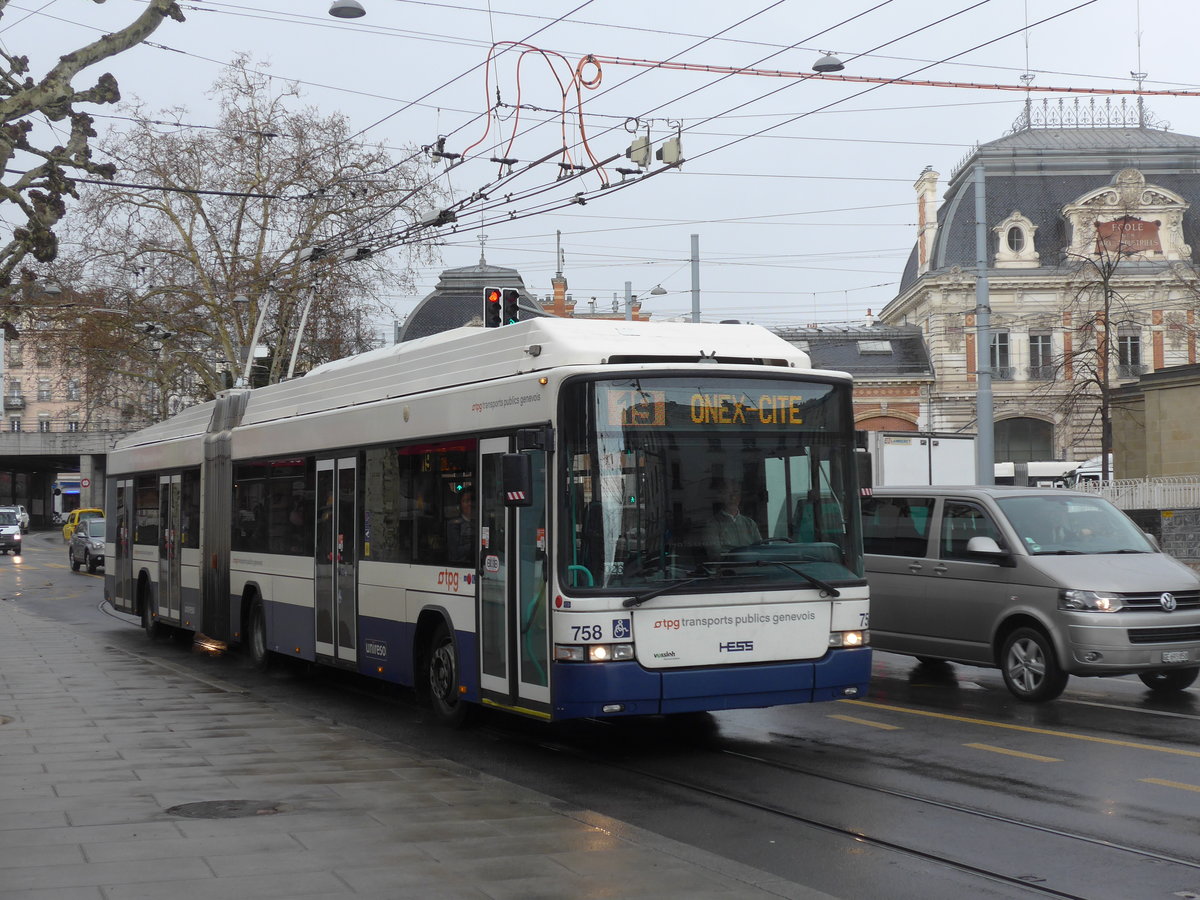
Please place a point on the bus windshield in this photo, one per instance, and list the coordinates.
(746, 479)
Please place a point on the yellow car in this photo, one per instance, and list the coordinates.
(75, 516)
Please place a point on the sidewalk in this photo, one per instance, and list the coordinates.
(124, 779)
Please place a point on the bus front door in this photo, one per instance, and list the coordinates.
(336, 562)
(512, 614)
(169, 544)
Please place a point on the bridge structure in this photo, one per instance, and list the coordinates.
(30, 462)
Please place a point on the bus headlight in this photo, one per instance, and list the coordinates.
(849, 638)
(592, 652)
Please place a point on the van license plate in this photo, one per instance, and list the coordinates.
(1175, 656)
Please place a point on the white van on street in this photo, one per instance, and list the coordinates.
(1041, 583)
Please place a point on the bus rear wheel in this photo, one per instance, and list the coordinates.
(442, 678)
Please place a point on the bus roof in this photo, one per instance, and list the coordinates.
(475, 354)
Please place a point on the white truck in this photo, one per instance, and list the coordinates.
(915, 457)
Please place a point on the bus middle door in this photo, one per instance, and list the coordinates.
(513, 616)
(169, 545)
(336, 560)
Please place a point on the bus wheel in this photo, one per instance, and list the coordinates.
(1030, 670)
(260, 654)
(149, 622)
(442, 677)
(1169, 680)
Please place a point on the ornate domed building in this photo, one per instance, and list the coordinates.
(1090, 233)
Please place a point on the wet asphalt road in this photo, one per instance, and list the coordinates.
(939, 784)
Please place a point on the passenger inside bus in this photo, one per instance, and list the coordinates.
(460, 531)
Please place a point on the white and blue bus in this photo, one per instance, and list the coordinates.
(524, 517)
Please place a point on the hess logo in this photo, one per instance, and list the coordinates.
(735, 646)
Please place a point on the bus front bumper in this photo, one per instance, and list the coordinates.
(629, 689)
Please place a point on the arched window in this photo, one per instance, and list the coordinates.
(1016, 239)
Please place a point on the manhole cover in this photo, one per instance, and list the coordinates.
(224, 809)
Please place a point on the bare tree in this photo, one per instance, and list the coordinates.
(36, 178)
(1098, 307)
(237, 234)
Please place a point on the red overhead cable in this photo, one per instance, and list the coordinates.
(867, 79)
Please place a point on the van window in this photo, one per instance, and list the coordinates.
(961, 522)
(896, 526)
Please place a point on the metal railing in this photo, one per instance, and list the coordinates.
(1159, 492)
(1130, 370)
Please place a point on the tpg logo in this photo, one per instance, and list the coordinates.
(735, 646)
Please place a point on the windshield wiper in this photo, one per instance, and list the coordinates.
(639, 599)
(811, 579)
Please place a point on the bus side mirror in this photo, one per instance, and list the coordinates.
(516, 475)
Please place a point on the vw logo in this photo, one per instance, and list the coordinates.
(1168, 601)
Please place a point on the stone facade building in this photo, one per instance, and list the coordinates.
(893, 374)
(1091, 233)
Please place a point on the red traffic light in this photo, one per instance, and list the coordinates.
(492, 307)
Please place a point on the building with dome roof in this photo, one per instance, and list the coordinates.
(1091, 232)
(457, 299)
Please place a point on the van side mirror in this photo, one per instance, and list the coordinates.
(1153, 541)
(516, 476)
(982, 545)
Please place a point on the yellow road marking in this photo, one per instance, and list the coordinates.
(1029, 729)
(1006, 752)
(1172, 784)
(858, 721)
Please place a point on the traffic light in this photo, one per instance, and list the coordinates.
(492, 308)
(512, 306)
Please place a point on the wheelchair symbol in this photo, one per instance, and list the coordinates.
(620, 629)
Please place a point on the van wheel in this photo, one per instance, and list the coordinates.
(1030, 670)
(442, 678)
(1169, 680)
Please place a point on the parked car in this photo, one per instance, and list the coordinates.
(75, 516)
(87, 545)
(22, 516)
(10, 531)
(1041, 583)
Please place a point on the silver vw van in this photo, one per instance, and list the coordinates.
(1041, 583)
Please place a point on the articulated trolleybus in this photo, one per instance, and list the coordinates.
(542, 517)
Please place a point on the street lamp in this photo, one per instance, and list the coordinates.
(657, 291)
(828, 63)
(347, 9)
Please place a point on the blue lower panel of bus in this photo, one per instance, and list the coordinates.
(585, 689)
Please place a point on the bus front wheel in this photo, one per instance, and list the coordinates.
(260, 654)
(442, 678)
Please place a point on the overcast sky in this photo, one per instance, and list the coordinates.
(800, 190)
